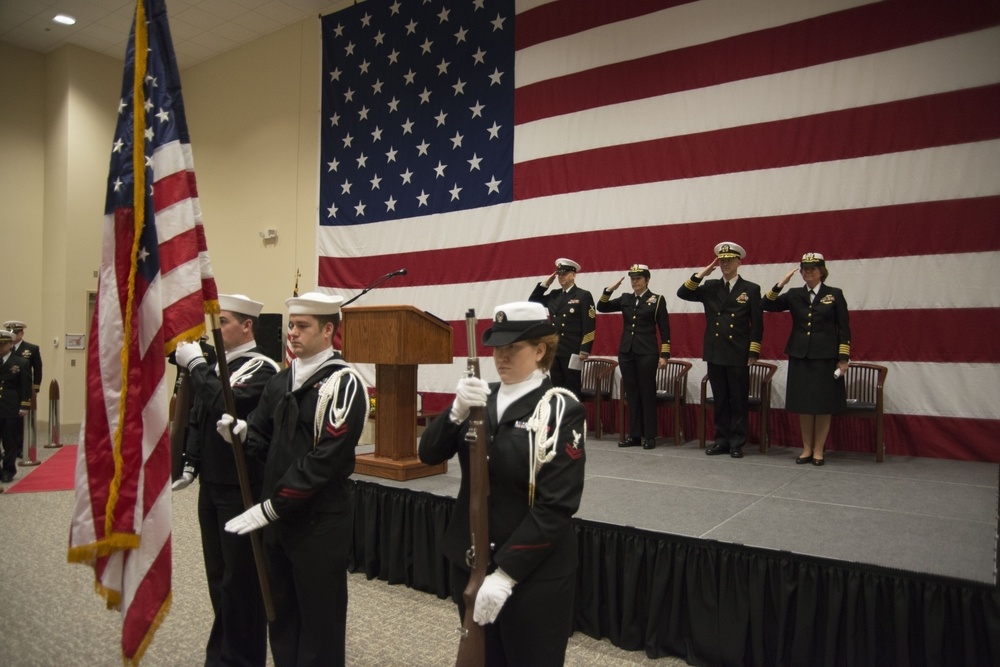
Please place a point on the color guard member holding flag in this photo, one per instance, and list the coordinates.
(239, 630)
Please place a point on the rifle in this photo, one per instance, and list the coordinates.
(472, 646)
(180, 412)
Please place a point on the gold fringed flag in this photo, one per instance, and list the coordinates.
(155, 287)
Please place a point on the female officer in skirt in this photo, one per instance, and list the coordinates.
(818, 349)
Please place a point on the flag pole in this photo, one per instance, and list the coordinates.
(241, 465)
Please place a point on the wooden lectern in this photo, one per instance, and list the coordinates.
(395, 339)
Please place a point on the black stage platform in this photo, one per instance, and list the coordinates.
(755, 561)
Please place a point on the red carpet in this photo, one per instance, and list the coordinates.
(56, 473)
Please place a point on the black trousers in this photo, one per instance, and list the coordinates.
(10, 429)
(533, 626)
(239, 630)
(639, 377)
(730, 389)
(564, 376)
(307, 565)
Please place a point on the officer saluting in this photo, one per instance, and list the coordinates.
(734, 327)
(573, 313)
(639, 354)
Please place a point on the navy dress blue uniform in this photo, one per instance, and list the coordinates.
(638, 354)
(15, 396)
(734, 328)
(30, 353)
(575, 318)
(306, 482)
(239, 630)
(535, 545)
(820, 338)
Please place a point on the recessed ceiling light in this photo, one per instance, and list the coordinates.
(65, 19)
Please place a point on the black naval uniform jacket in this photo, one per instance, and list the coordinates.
(734, 320)
(15, 386)
(573, 315)
(205, 450)
(302, 476)
(641, 317)
(531, 543)
(821, 329)
(33, 356)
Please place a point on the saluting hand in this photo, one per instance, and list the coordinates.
(788, 276)
(708, 269)
(548, 281)
(612, 288)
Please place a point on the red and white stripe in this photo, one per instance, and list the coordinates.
(649, 131)
(122, 518)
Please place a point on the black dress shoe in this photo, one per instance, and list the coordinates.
(649, 443)
(630, 442)
(804, 459)
(818, 462)
(717, 449)
(736, 453)
(6, 478)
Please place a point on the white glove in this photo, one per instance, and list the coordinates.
(184, 481)
(256, 517)
(471, 392)
(187, 354)
(222, 426)
(495, 590)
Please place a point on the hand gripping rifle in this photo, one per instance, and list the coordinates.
(472, 646)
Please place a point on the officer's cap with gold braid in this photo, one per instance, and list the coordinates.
(314, 303)
(812, 259)
(520, 320)
(730, 250)
(638, 270)
(564, 265)
(15, 325)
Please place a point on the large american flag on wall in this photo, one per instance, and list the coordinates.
(155, 288)
(475, 141)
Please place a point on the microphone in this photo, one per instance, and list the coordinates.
(378, 281)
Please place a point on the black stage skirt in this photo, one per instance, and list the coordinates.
(812, 389)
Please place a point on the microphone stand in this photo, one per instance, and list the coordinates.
(376, 283)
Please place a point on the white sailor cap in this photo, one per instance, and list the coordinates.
(6, 335)
(240, 303)
(15, 325)
(730, 250)
(314, 303)
(564, 265)
(520, 320)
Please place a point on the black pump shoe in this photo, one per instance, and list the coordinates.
(630, 442)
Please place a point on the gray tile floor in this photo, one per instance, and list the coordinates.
(918, 514)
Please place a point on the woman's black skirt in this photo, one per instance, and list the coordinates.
(812, 389)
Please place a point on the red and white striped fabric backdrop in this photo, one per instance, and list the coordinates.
(648, 131)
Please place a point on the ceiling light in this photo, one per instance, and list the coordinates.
(65, 19)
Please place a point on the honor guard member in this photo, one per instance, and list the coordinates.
(573, 313)
(536, 435)
(15, 400)
(305, 429)
(239, 632)
(33, 356)
(734, 328)
(639, 354)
